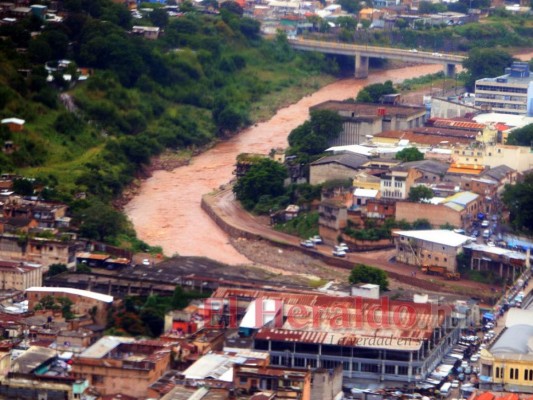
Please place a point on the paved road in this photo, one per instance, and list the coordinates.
(231, 211)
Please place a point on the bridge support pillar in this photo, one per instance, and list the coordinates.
(449, 70)
(361, 66)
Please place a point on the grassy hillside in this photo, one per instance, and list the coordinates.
(205, 78)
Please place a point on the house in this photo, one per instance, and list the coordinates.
(362, 196)
(148, 32)
(380, 208)
(84, 302)
(336, 167)
(20, 275)
(507, 362)
(361, 120)
(367, 180)
(437, 247)
(458, 210)
(332, 217)
(431, 171)
(502, 174)
(17, 225)
(397, 183)
(14, 124)
(39, 373)
(294, 383)
(123, 364)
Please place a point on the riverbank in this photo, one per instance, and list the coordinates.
(248, 232)
(166, 209)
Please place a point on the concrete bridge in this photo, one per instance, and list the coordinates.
(362, 53)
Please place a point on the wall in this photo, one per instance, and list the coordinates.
(427, 253)
(81, 304)
(326, 384)
(442, 108)
(14, 279)
(437, 215)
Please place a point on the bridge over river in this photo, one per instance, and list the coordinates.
(363, 53)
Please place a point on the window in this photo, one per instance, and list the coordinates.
(403, 370)
(98, 379)
(390, 369)
(243, 380)
(498, 372)
(436, 258)
(445, 259)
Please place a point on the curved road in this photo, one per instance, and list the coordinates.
(230, 210)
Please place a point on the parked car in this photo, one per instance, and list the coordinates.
(342, 246)
(339, 253)
(146, 261)
(485, 223)
(307, 243)
(316, 239)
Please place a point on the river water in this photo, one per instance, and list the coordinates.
(167, 212)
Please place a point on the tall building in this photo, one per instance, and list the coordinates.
(511, 93)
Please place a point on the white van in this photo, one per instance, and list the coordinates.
(486, 234)
(445, 389)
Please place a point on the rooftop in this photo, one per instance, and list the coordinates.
(368, 109)
(498, 173)
(462, 198)
(31, 359)
(349, 160)
(514, 340)
(103, 346)
(439, 236)
(77, 292)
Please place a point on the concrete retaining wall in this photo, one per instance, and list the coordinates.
(208, 204)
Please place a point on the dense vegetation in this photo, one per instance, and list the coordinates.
(204, 79)
(409, 154)
(362, 273)
(501, 29)
(518, 199)
(522, 136)
(140, 316)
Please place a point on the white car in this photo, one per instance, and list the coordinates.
(490, 243)
(342, 246)
(316, 239)
(146, 261)
(413, 51)
(455, 383)
(436, 54)
(339, 253)
(307, 243)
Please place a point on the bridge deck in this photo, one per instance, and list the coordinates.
(375, 52)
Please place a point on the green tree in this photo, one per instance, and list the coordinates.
(56, 269)
(522, 136)
(350, 6)
(485, 63)
(421, 224)
(312, 136)
(373, 93)
(417, 193)
(366, 274)
(101, 222)
(265, 177)
(159, 17)
(23, 187)
(409, 154)
(518, 199)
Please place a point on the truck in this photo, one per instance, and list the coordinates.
(441, 271)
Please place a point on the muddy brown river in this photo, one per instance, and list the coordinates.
(167, 212)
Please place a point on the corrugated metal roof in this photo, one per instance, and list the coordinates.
(439, 236)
